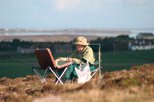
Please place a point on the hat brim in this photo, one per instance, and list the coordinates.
(78, 43)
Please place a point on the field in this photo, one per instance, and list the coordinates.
(134, 85)
(125, 59)
(21, 65)
(122, 81)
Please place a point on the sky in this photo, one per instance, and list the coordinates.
(60, 14)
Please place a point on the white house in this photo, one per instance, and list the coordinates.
(140, 45)
(148, 36)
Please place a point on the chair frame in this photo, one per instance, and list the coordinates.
(48, 68)
(99, 61)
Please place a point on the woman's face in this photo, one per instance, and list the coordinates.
(79, 47)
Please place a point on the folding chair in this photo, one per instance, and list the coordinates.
(46, 62)
(97, 52)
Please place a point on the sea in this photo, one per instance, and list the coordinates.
(109, 33)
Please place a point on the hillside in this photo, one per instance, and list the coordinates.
(134, 85)
(46, 38)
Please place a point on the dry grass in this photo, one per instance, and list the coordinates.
(135, 85)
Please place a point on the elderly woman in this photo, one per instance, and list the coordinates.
(81, 55)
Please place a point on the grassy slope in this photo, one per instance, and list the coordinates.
(21, 65)
(135, 85)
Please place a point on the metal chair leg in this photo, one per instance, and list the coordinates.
(40, 76)
(62, 74)
(55, 75)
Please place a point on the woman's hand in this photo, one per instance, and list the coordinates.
(57, 60)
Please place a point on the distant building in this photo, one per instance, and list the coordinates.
(25, 50)
(62, 48)
(148, 36)
(140, 45)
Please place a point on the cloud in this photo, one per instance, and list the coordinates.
(67, 5)
(72, 5)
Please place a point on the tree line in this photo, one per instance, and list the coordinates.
(119, 43)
